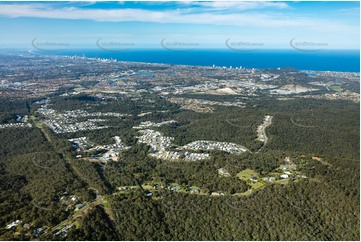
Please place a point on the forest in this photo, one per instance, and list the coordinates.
(38, 170)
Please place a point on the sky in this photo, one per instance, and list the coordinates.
(186, 24)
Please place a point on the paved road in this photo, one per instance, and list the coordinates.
(264, 133)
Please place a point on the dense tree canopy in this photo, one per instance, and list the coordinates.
(39, 174)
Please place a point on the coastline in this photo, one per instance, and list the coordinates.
(130, 56)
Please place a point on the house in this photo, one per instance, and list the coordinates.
(148, 194)
(13, 224)
(38, 231)
(269, 179)
(176, 188)
(223, 172)
(253, 179)
(64, 231)
(79, 206)
(284, 176)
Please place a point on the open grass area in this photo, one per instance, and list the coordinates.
(246, 193)
(106, 202)
(258, 185)
(195, 188)
(336, 88)
(148, 187)
(282, 181)
(245, 175)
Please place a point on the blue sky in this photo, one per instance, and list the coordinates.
(269, 25)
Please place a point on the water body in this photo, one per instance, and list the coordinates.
(323, 60)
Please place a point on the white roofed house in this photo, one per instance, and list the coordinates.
(284, 176)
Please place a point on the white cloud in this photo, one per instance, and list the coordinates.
(226, 5)
(244, 19)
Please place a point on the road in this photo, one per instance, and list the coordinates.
(264, 134)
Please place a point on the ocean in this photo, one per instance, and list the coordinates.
(323, 60)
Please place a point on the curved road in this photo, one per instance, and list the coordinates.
(264, 134)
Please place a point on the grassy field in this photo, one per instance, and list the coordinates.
(258, 185)
(245, 175)
(336, 88)
(246, 193)
(283, 181)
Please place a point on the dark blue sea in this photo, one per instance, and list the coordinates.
(323, 60)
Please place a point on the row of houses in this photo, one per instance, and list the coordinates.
(174, 155)
(231, 148)
(67, 121)
(160, 143)
(149, 124)
(63, 126)
(16, 125)
(155, 139)
(81, 143)
(112, 150)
